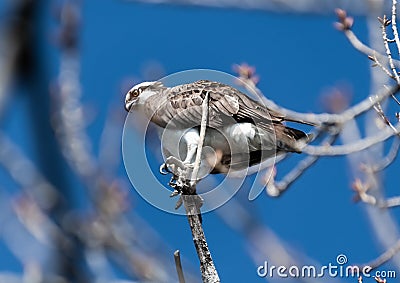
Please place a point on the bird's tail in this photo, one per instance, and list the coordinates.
(288, 119)
(291, 139)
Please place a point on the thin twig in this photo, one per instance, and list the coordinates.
(384, 23)
(356, 146)
(394, 25)
(178, 264)
(390, 202)
(389, 158)
(395, 99)
(301, 167)
(380, 65)
(361, 47)
(203, 127)
(326, 118)
(362, 189)
(379, 110)
(385, 257)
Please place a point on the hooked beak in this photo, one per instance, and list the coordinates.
(130, 100)
(129, 104)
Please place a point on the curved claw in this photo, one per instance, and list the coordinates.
(164, 169)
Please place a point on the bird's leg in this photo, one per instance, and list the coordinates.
(182, 170)
(175, 167)
(180, 181)
(191, 151)
(191, 138)
(180, 175)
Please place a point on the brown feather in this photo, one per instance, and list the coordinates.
(227, 105)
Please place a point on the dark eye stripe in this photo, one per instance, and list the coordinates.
(143, 88)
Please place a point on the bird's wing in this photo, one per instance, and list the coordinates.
(227, 105)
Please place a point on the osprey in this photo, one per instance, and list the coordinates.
(241, 132)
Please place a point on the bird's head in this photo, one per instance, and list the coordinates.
(138, 94)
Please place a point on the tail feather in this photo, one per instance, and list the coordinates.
(294, 133)
(300, 121)
(287, 139)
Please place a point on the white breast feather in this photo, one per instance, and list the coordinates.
(243, 131)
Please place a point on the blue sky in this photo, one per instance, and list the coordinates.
(298, 58)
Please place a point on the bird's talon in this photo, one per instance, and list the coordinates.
(188, 165)
(164, 169)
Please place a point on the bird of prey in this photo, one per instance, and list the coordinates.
(241, 131)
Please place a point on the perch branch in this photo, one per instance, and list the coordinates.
(203, 127)
(191, 203)
(209, 273)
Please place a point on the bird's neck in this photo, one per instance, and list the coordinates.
(154, 105)
(149, 101)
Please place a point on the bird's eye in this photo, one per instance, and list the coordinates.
(135, 93)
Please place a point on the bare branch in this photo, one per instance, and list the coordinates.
(384, 24)
(388, 159)
(385, 257)
(184, 183)
(298, 6)
(394, 25)
(178, 264)
(356, 146)
(191, 202)
(363, 48)
(26, 174)
(326, 118)
(380, 65)
(360, 46)
(203, 127)
(209, 273)
(362, 188)
(301, 167)
(379, 110)
(390, 202)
